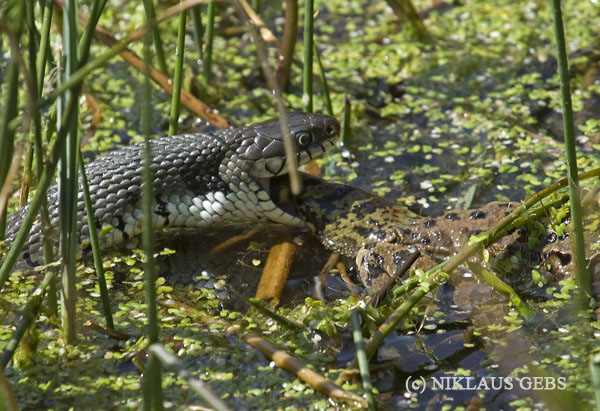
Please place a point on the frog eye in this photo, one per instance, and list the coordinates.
(303, 138)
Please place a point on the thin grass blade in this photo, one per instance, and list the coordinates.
(97, 254)
(210, 34)
(68, 182)
(326, 96)
(151, 18)
(197, 24)
(578, 246)
(152, 392)
(176, 98)
(307, 72)
(363, 361)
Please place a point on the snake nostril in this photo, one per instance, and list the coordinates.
(329, 130)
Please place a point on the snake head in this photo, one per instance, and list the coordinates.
(264, 155)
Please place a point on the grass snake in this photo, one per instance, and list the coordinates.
(198, 180)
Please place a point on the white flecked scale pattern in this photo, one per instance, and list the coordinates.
(198, 212)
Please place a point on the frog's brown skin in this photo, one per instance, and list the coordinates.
(381, 235)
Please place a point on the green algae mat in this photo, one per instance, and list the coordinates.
(467, 115)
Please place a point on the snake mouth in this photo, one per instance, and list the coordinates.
(282, 197)
(274, 180)
(265, 168)
(263, 159)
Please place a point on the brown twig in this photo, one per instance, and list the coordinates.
(288, 42)
(187, 99)
(276, 270)
(12, 173)
(266, 34)
(288, 363)
(349, 284)
(93, 106)
(230, 242)
(281, 358)
(118, 335)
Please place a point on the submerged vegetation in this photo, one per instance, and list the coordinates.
(449, 105)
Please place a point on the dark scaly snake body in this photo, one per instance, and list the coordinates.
(198, 180)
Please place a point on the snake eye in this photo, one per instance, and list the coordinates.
(303, 138)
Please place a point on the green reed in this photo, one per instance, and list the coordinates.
(16, 15)
(69, 181)
(197, 24)
(362, 359)
(151, 392)
(595, 372)
(578, 245)
(210, 34)
(406, 11)
(37, 65)
(346, 132)
(326, 96)
(97, 254)
(153, 27)
(44, 50)
(307, 73)
(176, 98)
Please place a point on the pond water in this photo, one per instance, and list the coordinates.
(469, 118)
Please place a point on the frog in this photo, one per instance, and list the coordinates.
(380, 235)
